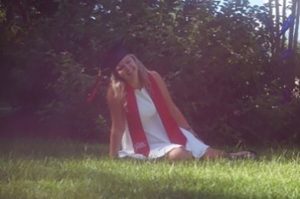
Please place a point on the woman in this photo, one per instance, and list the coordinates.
(146, 123)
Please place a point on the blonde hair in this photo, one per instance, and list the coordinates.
(117, 84)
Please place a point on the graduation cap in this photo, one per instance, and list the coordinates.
(113, 56)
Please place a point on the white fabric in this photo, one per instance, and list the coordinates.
(156, 135)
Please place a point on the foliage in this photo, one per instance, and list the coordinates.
(68, 104)
(216, 56)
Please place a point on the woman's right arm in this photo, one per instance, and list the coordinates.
(117, 123)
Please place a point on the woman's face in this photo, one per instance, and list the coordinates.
(127, 68)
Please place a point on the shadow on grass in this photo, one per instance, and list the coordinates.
(113, 180)
(93, 183)
(58, 148)
(89, 182)
(62, 148)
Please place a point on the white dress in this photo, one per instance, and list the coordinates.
(156, 135)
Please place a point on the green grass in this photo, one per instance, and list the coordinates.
(67, 169)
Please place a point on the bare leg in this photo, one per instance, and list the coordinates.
(182, 154)
(179, 154)
(215, 153)
(212, 153)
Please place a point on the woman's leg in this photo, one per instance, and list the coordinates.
(215, 153)
(212, 153)
(182, 154)
(179, 154)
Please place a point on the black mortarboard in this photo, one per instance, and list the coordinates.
(113, 56)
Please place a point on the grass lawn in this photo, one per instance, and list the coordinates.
(67, 169)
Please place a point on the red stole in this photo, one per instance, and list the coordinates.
(139, 140)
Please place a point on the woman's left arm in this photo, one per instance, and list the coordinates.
(175, 112)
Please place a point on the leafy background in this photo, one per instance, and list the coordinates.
(220, 62)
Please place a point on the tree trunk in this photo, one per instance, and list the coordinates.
(271, 26)
(277, 41)
(291, 31)
(297, 14)
(283, 19)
